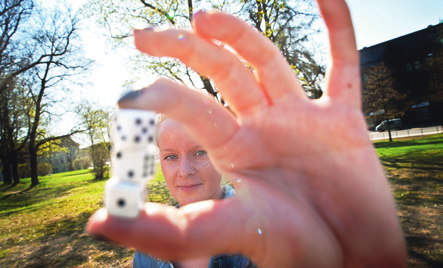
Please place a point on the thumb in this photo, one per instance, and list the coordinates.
(200, 229)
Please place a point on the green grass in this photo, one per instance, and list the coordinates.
(44, 226)
(426, 148)
(52, 197)
(48, 220)
(414, 168)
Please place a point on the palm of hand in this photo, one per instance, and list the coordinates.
(301, 151)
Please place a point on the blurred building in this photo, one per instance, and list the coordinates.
(415, 62)
(62, 159)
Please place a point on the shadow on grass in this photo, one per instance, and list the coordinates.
(24, 191)
(19, 198)
(416, 241)
(417, 183)
(97, 180)
(28, 200)
(398, 162)
(54, 240)
(5, 187)
(65, 244)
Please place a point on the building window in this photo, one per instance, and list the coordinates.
(417, 65)
(408, 67)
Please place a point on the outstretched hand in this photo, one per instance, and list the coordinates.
(310, 189)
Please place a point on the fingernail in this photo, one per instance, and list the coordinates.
(139, 27)
(198, 13)
(131, 95)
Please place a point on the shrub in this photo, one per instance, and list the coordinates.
(81, 163)
(44, 169)
(100, 155)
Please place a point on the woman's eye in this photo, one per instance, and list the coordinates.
(200, 153)
(170, 157)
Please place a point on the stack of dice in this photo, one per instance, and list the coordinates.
(133, 161)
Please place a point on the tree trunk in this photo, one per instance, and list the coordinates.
(4, 144)
(100, 173)
(14, 166)
(6, 170)
(387, 122)
(33, 157)
(389, 130)
(34, 127)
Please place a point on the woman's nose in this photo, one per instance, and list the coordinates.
(186, 168)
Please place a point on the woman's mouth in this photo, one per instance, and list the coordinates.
(189, 187)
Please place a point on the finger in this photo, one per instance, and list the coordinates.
(172, 234)
(206, 121)
(235, 82)
(341, 32)
(344, 75)
(272, 69)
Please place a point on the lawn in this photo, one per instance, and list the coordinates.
(44, 226)
(414, 168)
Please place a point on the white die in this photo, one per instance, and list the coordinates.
(135, 166)
(124, 198)
(133, 161)
(133, 129)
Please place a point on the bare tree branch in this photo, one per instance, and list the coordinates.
(160, 10)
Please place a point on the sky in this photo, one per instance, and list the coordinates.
(375, 21)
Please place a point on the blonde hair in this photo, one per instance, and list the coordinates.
(160, 118)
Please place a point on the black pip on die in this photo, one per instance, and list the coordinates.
(133, 161)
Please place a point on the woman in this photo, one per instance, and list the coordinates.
(190, 177)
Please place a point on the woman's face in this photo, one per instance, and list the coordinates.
(188, 172)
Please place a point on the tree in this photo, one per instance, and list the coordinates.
(57, 40)
(14, 57)
(95, 123)
(378, 93)
(12, 14)
(37, 46)
(285, 25)
(13, 128)
(289, 27)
